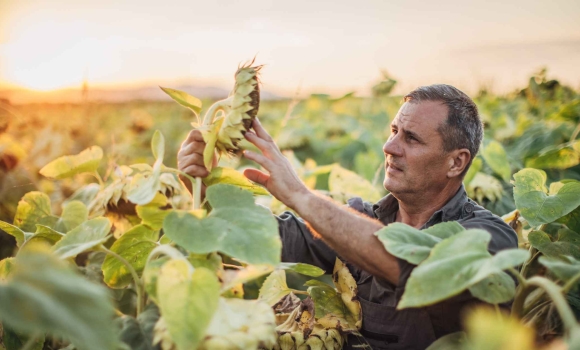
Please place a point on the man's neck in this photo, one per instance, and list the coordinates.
(417, 210)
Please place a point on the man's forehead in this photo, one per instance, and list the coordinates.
(428, 114)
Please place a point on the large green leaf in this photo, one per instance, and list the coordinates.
(495, 156)
(134, 246)
(74, 213)
(533, 202)
(220, 175)
(86, 236)
(413, 245)
(557, 157)
(14, 231)
(234, 222)
(188, 300)
(350, 184)
(564, 267)
(137, 333)
(153, 213)
(44, 294)
(32, 208)
(67, 166)
(495, 289)
(274, 288)
(566, 242)
(150, 276)
(572, 220)
(184, 99)
(456, 264)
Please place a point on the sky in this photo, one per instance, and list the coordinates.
(308, 46)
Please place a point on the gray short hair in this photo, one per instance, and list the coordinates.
(463, 127)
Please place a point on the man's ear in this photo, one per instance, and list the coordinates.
(458, 160)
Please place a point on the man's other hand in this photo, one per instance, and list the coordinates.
(282, 181)
(190, 158)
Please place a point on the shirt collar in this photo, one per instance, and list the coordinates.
(386, 209)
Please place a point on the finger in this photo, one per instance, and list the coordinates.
(257, 176)
(192, 159)
(260, 159)
(193, 147)
(194, 135)
(260, 131)
(196, 171)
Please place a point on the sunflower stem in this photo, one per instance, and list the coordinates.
(208, 118)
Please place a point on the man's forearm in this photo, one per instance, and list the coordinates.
(350, 234)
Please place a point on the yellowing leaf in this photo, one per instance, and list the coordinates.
(153, 213)
(184, 99)
(274, 288)
(67, 166)
(495, 156)
(231, 176)
(350, 184)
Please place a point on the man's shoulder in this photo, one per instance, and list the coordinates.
(502, 235)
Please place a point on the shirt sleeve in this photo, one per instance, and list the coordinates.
(502, 235)
(299, 245)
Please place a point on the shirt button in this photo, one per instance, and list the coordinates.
(469, 208)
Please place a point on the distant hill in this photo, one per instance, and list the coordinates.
(151, 93)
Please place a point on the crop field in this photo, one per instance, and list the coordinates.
(105, 248)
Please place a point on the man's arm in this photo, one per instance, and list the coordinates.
(349, 233)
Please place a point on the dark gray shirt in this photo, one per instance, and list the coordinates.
(384, 327)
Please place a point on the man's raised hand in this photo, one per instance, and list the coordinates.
(282, 181)
(190, 157)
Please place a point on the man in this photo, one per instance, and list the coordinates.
(434, 138)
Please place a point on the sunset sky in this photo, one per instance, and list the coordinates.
(319, 46)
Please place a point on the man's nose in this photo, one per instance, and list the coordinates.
(392, 146)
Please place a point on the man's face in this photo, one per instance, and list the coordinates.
(415, 162)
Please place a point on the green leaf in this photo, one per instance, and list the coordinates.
(329, 309)
(188, 300)
(453, 341)
(74, 213)
(153, 213)
(465, 258)
(85, 194)
(144, 187)
(530, 195)
(87, 236)
(211, 261)
(303, 269)
(475, 167)
(33, 207)
(6, 267)
(564, 267)
(150, 276)
(44, 234)
(572, 220)
(184, 99)
(557, 157)
(274, 288)
(234, 221)
(495, 289)
(138, 333)
(567, 243)
(231, 176)
(67, 166)
(350, 184)
(413, 245)
(495, 156)
(44, 295)
(135, 246)
(14, 231)
(158, 145)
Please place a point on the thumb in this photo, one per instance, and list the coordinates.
(257, 176)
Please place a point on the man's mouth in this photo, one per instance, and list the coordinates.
(392, 167)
